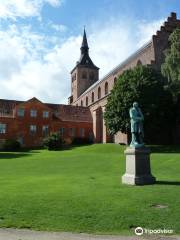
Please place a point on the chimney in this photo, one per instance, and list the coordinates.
(173, 15)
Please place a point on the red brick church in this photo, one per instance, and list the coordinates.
(30, 121)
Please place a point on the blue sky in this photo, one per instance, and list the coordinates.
(40, 40)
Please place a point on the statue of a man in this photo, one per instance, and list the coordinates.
(137, 132)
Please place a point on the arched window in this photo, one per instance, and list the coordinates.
(84, 75)
(115, 80)
(106, 88)
(81, 102)
(99, 92)
(86, 101)
(92, 97)
(91, 76)
(139, 62)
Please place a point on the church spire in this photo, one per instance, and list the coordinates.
(84, 46)
(85, 59)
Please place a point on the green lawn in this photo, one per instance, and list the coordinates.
(80, 190)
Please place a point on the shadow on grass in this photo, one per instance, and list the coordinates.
(11, 155)
(175, 183)
(165, 149)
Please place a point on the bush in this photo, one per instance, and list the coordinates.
(11, 145)
(53, 142)
(81, 141)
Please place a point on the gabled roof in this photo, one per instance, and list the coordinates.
(34, 99)
(63, 112)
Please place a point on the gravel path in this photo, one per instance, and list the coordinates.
(19, 234)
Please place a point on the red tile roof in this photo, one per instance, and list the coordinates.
(71, 113)
(61, 111)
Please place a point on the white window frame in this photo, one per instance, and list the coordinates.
(33, 113)
(62, 131)
(3, 128)
(33, 129)
(45, 129)
(20, 112)
(82, 132)
(72, 132)
(45, 114)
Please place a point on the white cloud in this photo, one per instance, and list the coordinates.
(147, 29)
(59, 27)
(117, 40)
(23, 8)
(28, 67)
(110, 45)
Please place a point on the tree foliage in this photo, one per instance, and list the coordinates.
(146, 86)
(171, 67)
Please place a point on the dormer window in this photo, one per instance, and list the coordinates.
(33, 113)
(20, 112)
(45, 114)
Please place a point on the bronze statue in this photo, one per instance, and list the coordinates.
(137, 132)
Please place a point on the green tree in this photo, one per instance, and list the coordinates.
(171, 67)
(146, 86)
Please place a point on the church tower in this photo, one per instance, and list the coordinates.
(84, 74)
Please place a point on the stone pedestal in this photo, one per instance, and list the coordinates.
(138, 170)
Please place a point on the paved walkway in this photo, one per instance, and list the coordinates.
(19, 234)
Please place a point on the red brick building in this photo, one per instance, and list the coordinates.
(30, 121)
